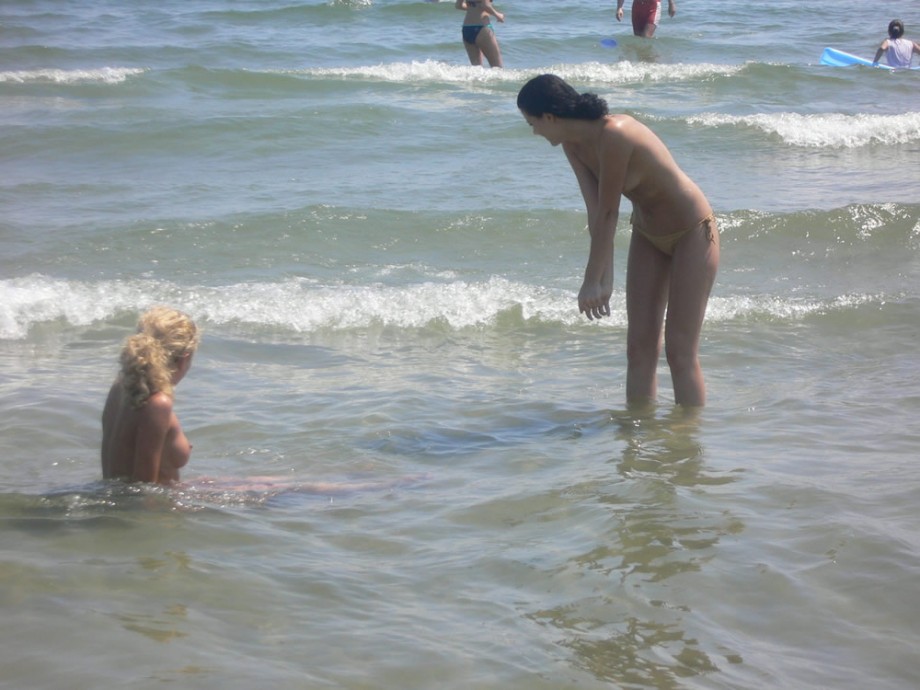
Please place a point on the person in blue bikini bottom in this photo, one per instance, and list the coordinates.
(478, 35)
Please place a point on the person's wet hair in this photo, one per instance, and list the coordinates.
(549, 94)
(150, 356)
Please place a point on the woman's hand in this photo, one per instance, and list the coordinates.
(594, 299)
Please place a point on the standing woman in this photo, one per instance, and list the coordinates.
(478, 34)
(645, 15)
(674, 250)
(141, 437)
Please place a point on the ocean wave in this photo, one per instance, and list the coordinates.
(830, 130)
(302, 306)
(101, 75)
(623, 72)
(626, 72)
(283, 14)
(297, 304)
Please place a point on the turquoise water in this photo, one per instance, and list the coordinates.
(413, 466)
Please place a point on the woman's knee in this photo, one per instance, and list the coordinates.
(643, 353)
(681, 356)
(493, 55)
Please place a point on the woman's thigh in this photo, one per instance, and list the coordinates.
(647, 280)
(693, 272)
(488, 44)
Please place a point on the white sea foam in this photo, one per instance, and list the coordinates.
(102, 75)
(622, 72)
(626, 72)
(302, 306)
(295, 304)
(830, 130)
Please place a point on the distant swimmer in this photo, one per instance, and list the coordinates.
(478, 35)
(142, 440)
(645, 15)
(898, 51)
(674, 249)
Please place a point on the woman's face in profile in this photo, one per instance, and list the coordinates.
(543, 126)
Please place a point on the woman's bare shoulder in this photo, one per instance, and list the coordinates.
(158, 406)
(622, 132)
(628, 127)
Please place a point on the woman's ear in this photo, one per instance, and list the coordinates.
(183, 364)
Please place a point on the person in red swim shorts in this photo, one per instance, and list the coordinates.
(645, 15)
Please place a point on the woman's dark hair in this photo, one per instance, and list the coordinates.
(551, 94)
(896, 28)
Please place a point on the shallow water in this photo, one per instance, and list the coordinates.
(412, 464)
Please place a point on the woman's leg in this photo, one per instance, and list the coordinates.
(488, 44)
(647, 274)
(645, 17)
(473, 52)
(693, 272)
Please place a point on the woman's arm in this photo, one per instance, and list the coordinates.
(594, 299)
(602, 198)
(881, 50)
(108, 424)
(587, 180)
(490, 9)
(153, 425)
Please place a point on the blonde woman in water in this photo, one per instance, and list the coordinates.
(142, 440)
(478, 34)
(674, 250)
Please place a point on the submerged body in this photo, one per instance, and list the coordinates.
(142, 440)
(144, 445)
(898, 52)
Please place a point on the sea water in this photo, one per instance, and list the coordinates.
(413, 465)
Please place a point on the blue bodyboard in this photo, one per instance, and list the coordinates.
(837, 58)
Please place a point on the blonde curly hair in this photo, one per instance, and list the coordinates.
(149, 357)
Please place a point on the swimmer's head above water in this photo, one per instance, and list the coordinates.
(151, 357)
